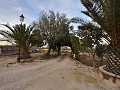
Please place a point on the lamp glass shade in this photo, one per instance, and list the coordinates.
(22, 18)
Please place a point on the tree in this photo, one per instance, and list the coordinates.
(91, 36)
(106, 13)
(36, 38)
(21, 36)
(100, 51)
(75, 46)
(53, 26)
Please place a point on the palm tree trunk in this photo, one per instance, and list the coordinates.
(25, 54)
(113, 63)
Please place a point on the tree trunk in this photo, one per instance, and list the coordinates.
(59, 52)
(73, 52)
(101, 61)
(48, 52)
(93, 55)
(25, 54)
(113, 62)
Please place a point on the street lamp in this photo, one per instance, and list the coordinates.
(21, 19)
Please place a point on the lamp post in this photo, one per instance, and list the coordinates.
(21, 20)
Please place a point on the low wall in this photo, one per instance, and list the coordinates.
(109, 76)
(8, 50)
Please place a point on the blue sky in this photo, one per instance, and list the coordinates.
(10, 10)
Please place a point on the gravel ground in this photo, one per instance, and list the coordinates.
(61, 73)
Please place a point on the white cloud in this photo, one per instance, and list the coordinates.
(36, 4)
(11, 9)
(18, 8)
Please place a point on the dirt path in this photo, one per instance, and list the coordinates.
(60, 73)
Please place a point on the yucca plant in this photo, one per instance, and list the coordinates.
(21, 36)
(107, 15)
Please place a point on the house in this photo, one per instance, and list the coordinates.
(7, 48)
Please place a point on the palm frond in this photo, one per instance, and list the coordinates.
(8, 27)
(107, 14)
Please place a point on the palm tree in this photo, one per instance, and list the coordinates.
(20, 35)
(107, 15)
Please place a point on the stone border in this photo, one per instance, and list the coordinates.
(109, 76)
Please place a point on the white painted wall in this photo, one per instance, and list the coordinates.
(5, 43)
(0, 50)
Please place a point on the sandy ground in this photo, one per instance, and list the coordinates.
(61, 73)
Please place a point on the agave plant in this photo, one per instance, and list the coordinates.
(20, 35)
